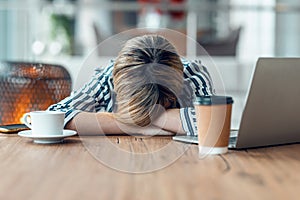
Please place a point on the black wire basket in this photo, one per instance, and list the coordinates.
(25, 87)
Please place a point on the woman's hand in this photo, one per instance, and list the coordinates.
(170, 120)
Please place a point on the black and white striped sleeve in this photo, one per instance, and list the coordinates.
(94, 96)
(201, 84)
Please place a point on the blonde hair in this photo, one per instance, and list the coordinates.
(148, 71)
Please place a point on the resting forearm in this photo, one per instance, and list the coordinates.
(170, 121)
(94, 123)
(86, 123)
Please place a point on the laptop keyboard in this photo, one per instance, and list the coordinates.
(194, 139)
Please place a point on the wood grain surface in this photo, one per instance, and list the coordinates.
(71, 170)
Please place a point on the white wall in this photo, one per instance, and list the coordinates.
(257, 19)
(288, 29)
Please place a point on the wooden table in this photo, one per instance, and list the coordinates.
(70, 171)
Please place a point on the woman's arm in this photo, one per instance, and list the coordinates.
(201, 84)
(87, 123)
(170, 121)
(94, 96)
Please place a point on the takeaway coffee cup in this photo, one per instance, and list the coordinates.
(45, 122)
(213, 116)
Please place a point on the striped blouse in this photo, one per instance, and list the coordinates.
(98, 94)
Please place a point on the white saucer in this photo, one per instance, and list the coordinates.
(47, 139)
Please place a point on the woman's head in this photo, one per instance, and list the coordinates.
(147, 72)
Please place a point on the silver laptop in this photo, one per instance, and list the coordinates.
(272, 112)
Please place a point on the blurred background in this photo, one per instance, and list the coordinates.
(247, 29)
(235, 33)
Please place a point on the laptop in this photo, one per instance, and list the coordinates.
(272, 112)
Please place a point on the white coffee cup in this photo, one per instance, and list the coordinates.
(45, 122)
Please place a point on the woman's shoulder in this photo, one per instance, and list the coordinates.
(105, 70)
(194, 64)
(185, 61)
